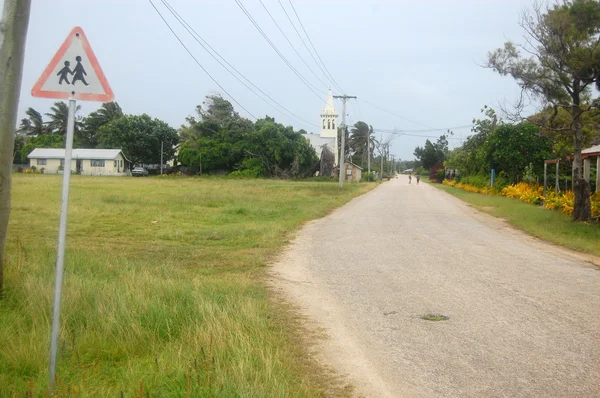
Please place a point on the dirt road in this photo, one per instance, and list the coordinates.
(524, 316)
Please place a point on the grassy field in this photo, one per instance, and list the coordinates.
(164, 293)
(549, 225)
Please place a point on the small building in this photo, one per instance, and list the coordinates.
(109, 162)
(353, 172)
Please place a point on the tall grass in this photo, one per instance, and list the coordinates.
(163, 292)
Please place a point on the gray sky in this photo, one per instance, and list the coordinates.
(415, 58)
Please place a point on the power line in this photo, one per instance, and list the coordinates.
(395, 114)
(313, 47)
(290, 43)
(199, 64)
(401, 133)
(205, 44)
(302, 78)
(306, 46)
(464, 126)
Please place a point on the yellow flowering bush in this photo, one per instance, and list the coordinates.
(524, 192)
(533, 194)
(564, 202)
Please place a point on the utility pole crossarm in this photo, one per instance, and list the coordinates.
(342, 165)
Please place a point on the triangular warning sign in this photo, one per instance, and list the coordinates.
(74, 72)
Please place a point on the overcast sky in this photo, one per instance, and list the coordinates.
(417, 59)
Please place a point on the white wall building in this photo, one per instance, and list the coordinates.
(83, 161)
(329, 132)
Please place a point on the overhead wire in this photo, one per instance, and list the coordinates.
(290, 43)
(222, 60)
(308, 49)
(309, 85)
(198, 62)
(313, 47)
(394, 113)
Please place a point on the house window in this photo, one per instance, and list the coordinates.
(62, 163)
(115, 163)
(121, 161)
(333, 124)
(329, 124)
(97, 163)
(323, 123)
(41, 162)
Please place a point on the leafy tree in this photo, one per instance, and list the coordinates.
(512, 147)
(59, 117)
(140, 138)
(42, 141)
(108, 112)
(561, 65)
(19, 144)
(33, 124)
(212, 138)
(283, 152)
(432, 153)
(471, 158)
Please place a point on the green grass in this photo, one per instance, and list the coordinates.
(549, 225)
(164, 291)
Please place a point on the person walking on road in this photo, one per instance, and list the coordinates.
(409, 178)
(418, 178)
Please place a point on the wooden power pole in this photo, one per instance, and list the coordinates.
(13, 34)
(342, 162)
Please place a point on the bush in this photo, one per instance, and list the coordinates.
(434, 173)
(369, 177)
(251, 168)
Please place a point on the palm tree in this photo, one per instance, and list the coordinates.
(108, 112)
(59, 117)
(33, 124)
(361, 134)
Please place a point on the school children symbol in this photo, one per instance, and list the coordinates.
(79, 73)
(74, 72)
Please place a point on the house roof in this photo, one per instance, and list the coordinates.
(589, 151)
(355, 165)
(78, 153)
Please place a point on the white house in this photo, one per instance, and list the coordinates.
(110, 162)
(328, 134)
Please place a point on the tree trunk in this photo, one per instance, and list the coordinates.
(582, 207)
(13, 31)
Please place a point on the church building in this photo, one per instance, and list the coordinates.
(328, 134)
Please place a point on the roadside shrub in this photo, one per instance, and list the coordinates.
(524, 192)
(251, 168)
(434, 175)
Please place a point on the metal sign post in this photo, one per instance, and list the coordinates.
(62, 234)
(74, 74)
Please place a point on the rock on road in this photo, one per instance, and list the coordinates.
(524, 316)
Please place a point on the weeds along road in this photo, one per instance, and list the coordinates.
(524, 316)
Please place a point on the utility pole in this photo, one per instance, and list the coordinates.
(381, 157)
(369, 154)
(161, 157)
(342, 165)
(13, 34)
(393, 168)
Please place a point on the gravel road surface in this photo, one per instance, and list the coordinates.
(524, 316)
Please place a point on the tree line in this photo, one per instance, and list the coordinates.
(139, 136)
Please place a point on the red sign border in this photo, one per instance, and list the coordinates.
(37, 88)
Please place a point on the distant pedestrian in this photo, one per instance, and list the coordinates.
(418, 178)
(409, 178)
(79, 72)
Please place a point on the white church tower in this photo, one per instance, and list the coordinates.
(329, 124)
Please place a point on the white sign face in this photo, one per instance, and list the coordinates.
(74, 72)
